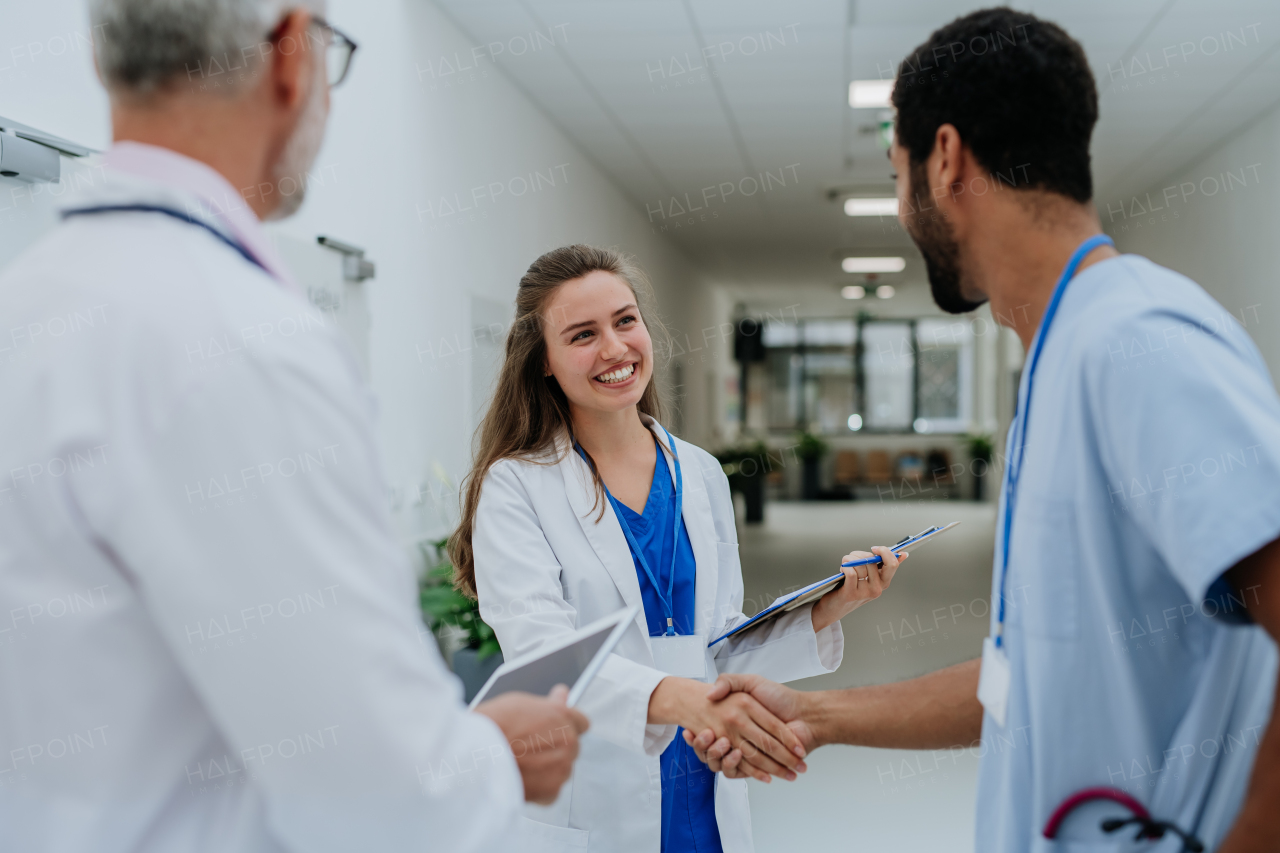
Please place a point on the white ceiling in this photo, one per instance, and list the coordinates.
(612, 83)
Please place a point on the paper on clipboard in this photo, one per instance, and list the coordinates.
(814, 591)
(574, 660)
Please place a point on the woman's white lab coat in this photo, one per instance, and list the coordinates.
(547, 563)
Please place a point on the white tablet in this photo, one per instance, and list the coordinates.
(574, 661)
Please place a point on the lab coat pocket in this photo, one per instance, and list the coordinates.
(1042, 590)
(728, 589)
(541, 837)
(727, 558)
(733, 815)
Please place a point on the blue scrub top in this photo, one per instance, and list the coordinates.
(1151, 466)
(688, 785)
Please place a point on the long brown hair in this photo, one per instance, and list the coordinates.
(529, 410)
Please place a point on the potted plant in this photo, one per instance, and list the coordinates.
(980, 450)
(810, 449)
(746, 465)
(446, 610)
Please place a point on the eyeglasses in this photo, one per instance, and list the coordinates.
(338, 50)
(338, 47)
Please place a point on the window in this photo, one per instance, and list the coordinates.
(944, 352)
(828, 374)
(835, 376)
(809, 373)
(888, 377)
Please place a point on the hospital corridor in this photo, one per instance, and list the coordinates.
(639, 426)
(937, 617)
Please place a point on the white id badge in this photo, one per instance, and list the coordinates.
(681, 655)
(993, 681)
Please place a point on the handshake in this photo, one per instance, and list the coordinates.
(745, 725)
(785, 731)
(748, 726)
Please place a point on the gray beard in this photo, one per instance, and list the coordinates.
(289, 174)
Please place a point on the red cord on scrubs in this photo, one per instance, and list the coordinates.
(1148, 827)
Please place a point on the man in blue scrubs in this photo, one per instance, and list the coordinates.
(1132, 632)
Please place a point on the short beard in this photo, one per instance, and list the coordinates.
(300, 150)
(941, 253)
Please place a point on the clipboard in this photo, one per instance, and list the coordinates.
(574, 660)
(816, 590)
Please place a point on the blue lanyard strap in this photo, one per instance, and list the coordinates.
(167, 211)
(668, 602)
(1018, 430)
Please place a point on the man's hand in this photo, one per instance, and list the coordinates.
(766, 745)
(934, 711)
(783, 702)
(543, 734)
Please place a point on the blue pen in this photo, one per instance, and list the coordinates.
(909, 541)
(868, 561)
(781, 605)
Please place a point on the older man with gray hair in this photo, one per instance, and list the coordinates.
(209, 631)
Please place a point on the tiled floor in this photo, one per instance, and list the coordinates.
(934, 615)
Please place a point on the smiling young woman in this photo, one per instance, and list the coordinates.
(580, 503)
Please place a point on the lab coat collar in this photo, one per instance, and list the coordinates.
(702, 537)
(610, 543)
(606, 536)
(136, 173)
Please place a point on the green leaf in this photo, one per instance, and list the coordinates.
(442, 605)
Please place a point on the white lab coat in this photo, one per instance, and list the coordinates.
(208, 631)
(545, 566)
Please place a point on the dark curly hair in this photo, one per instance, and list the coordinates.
(1019, 91)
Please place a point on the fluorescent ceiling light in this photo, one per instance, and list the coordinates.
(870, 207)
(873, 264)
(870, 93)
(855, 422)
(885, 291)
(853, 291)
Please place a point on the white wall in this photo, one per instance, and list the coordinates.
(398, 143)
(46, 71)
(1218, 222)
(408, 152)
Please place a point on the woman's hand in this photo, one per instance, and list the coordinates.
(767, 744)
(789, 705)
(861, 584)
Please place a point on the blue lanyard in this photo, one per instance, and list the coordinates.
(1018, 430)
(668, 602)
(167, 211)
